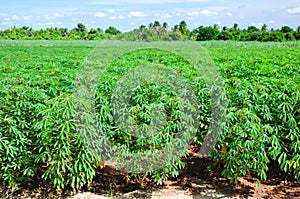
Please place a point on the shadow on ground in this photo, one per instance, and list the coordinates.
(195, 181)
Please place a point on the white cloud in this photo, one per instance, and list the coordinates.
(100, 14)
(5, 23)
(121, 13)
(102, 3)
(50, 23)
(294, 10)
(113, 2)
(70, 9)
(27, 18)
(39, 24)
(118, 17)
(136, 14)
(205, 12)
(272, 21)
(58, 15)
(50, 17)
(163, 15)
(208, 12)
(15, 17)
(193, 13)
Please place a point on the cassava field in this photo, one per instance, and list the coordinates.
(154, 105)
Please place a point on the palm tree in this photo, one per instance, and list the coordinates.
(175, 28)
(165, 25)
(264, 28)
(150, 26)
(156, 25)
(142, 28)
(183, 27)
(235, 27)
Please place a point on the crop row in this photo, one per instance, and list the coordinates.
(38, 134)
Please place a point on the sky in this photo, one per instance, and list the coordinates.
(126, 15)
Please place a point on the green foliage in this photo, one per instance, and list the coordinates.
(224, 35)
(156, 32)
(112, 30)
(183, 28)
(143, 141)
(36, 129)
(67, 160)
(206, 33)
(38, 135)
(263, 114)
(78, 33)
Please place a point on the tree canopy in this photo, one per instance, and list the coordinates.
(156, 31)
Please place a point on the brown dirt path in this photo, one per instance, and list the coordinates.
(193, 182)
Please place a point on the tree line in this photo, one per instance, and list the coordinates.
(78, 33)
(157, 31)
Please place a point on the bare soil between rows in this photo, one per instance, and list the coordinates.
(194, 181)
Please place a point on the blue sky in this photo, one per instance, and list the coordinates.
(129, 14)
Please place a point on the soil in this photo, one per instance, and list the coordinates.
(194, 181)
